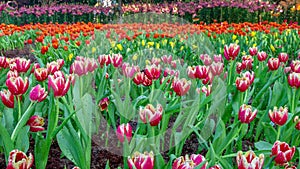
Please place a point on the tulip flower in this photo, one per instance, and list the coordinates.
(151, 114)
(181, 86)
(38, 93)
(191, 72)
(249, 160)
(283, 57)
(103, 104)
(104, 60)
(201, 72)
(262, 56)
(297, 121)
(216, 68)
(279, 116)
(253, 51)
(231, 51)
(246, 115)
(242, 83)
(44, 49)
(249, 76)
(19, 160)
(129, 71)
(54, 66)
(282, 152)
(167, 59)
(294, 79)
(247, 62)
(36, 123)
(206, 60)
(153, 72)
(273, 63)
(218, 58)
(4, 62)
(59, 83)
(124, 131)
(240, 67)
(155, 61)
(216, 167)
(141, 78)
(7, 98)
(295, 66)
(117, 60)
(19, 64)
(41, 74)
(12, 74)
(17, 85)
(79, 68)
(189, 162)
(141, 161)
(206, 90)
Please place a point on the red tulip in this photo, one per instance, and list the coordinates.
(167, 59)
(17, 85)
(153, 72)
(41, 74)
(151, 114)
(231, 51)
(283, 57)
(216, 68)
(44, 49)
(242, 83)
(253, 51)
(19, 160)
(201, 72)
(295, 66)
(273, 63)
(206, 59)
(36, 123)
(206, 90)
(38, 94)
(249, 160)
(124, 131)
(181, 86)
(12, 74)
(282, 152)
(294, 79)
(4, 62)
(191, 72)
(189, 162)
(7, 98)
(117, 60)
(247, 62)
(279, 116)
(59, 83)
(141, 78)
(35, 66)
(104, 60)
(249, 76)
(297, 121)
(262, 56)
(103, 104)
(19, 64)
(141, 161)
(240, 67)
(246, 115)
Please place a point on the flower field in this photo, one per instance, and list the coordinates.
(204, 95)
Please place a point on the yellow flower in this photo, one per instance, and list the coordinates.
(150, 43)
(182, 47)
(194, 46)
(253, 33)
(293, 9)
(272, 48)
(71, 56)
(276, 34)
(223, 42)
(157, 45)
(243, 53)
(147, 62)
(172, 44)
(164, 42)
(254, 45)
(247, 42)
(237, 41)
(234, 37)
(143, 43)
(120, 47)
(135, 57)
(112, 43)
(93, 49)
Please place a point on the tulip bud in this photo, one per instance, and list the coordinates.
(53, 67)
(166, 59)
(41, 74)
(240, 67)
(273, 63)
(216, 68)
(297, 121)
(19, 160)
(141, 161)
(249, 160)
(103, 104)
(153, 72)
(191, 72)
(279, 116)
(253, 51)
(262, 56)
(59, 83)
(155, 61)
(282, 152)
(206, 90)
(7, 98)
(283, 57)
(12, 74)
(294, 79)
(129, 71)
(206, 60)
(181, 86)
(246, 115)
(19, 64)
(242, 83)
(4, 62)
(201, 72)
(79, 68)
(38, 94)
(295, 66)
(216, 167)
(17, 86)
(36, 123)
(117, 60)
(104, 60)
(247, 62)
(151, 114)
(124, 131)
(249, 76)
(218, 58)
(189, 162)
(231, 51)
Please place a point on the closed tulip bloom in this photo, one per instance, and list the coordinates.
(19, 64)
(53, 67)
(151, 114)
(104, 60)
(181, 86)
(247, 61)
(282, 152)
(189, 162)
(206, 90)
(153, 72)
(129, 71)
(253, 51)
(79, 68)
(201, 72)
(295, 66)
(191, 72)
(7, 98)
(294, 79)
(19, 160)
(240, 67)
(167, 59)
(117, 60)
(141, 161)
(103, 104)
(249, 76)
(249, 160)
(242, 83)
(216, 68)
(262, 56)
(59, 83)
(38, 93)
(206, 60)
(273, 63)
(246, 114)
(218, 58)
(41, 74)
(17, 85)
(231, 51)
(4, 62)
(297, 121)
(279, 116)
(36, 123)
(11, 73)
(283, 57)
(124, 131)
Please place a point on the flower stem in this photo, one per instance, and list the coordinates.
(293, 101)
(278, 132)
(19, 107)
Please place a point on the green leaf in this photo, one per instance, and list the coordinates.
(22, 140)
(263, 145)
(5, 138)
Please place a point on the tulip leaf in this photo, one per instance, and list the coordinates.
(263, 145)
(22, 140)
(5, 139)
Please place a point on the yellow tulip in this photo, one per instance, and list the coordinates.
(112, 43)
(147, 62)
(234, 37)
(93, 49)
(120, 47)
(237, 41)
(143, 43)
(254, 45)
(150, 43)
(70, 56)
(135, 57)
(253, 33)
(272, 48)
(172, 44)
(182, 47)
(157, 45)
(223, 42)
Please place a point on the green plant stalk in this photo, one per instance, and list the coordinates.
(278, 133)
(19, 108)
(230, 72)
(293, 101)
